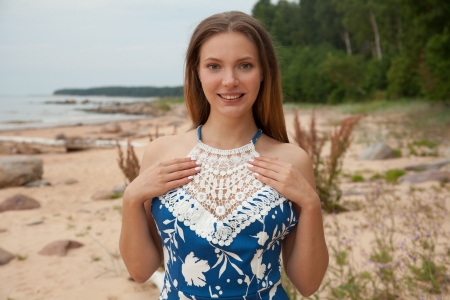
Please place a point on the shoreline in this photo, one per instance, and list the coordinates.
(30, 125)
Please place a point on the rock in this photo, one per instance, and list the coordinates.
(103, 195)
(5, 257)
(38, 183)
(429, 166)
(35, 223)
(19, 202)
(119, 189)
(68, 181)
(59, 248)
(111, 128)
(127, 133)
(17, 171)
(377, 151)
(425, 176)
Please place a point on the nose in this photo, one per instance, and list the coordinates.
(230, 79)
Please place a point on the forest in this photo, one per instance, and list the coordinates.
(334, 51)
(117, 91)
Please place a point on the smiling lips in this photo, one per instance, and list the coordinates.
(231, 97)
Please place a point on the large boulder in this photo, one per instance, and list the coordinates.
(377, 151)
(19, 202)
(17, 171)
(59, 248)
(432, 175)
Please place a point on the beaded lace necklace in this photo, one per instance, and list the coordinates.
(224, 181)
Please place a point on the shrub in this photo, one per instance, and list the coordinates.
(326, 170)
(130, 164)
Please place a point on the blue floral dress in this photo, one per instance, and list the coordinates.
(222, 232)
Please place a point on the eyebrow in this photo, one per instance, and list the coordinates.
(240, 59)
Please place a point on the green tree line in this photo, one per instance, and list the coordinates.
(347, 50)
(145, 91)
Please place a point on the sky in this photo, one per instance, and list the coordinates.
(47, 45)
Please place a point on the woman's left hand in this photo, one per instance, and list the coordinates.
(285, 178)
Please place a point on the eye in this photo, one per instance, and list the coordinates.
(213, 67)
(246, 66)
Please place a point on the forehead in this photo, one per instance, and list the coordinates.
(228, 45)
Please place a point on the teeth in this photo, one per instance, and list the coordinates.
(229, 97)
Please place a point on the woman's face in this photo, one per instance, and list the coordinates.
(230, 73)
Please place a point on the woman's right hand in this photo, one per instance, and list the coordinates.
(160, 178)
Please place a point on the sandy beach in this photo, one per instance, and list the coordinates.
(95, 271)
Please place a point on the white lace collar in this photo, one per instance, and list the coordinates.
(224, 197)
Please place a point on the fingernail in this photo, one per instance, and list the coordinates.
(257, 155)
(193, 158)
(198, 163)
(251, 160)
(249, 165)
(190, 177)
(256, 174)
(198, 168)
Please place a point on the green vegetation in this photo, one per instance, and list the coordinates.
(165, 103)
(144, 91)
(393, 175)
(349, 50)
(397, 153)
(21, 257)
(116, 196)
(357, 178)
(399, 264)
(376, 176)
(423, 148)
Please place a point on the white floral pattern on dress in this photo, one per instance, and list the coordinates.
(193, 269)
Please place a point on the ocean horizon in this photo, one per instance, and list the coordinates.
(31, 111)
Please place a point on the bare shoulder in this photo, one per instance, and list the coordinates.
(288, 153)
(167, 147)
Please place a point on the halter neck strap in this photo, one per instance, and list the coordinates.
(254, 139)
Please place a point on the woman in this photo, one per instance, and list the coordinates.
(212, 203)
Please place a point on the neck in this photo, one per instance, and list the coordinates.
(228, 133)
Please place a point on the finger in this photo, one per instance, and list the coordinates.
(267, 165)
(181, 166)
(181, 174)
(269, 181)
(272, 174)
(177, 183)
(177, 161)
(275, 161)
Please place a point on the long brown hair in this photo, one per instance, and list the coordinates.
(268, 107)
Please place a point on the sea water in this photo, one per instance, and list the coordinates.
(26, 112)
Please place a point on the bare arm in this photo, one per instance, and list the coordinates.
(305, 253)
(139, 242)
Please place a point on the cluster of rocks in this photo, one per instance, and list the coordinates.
(68, 101)
(18, 171)
(134, 108)
(63, 143)
(56, 248)
(424, 172)
(23, 202)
